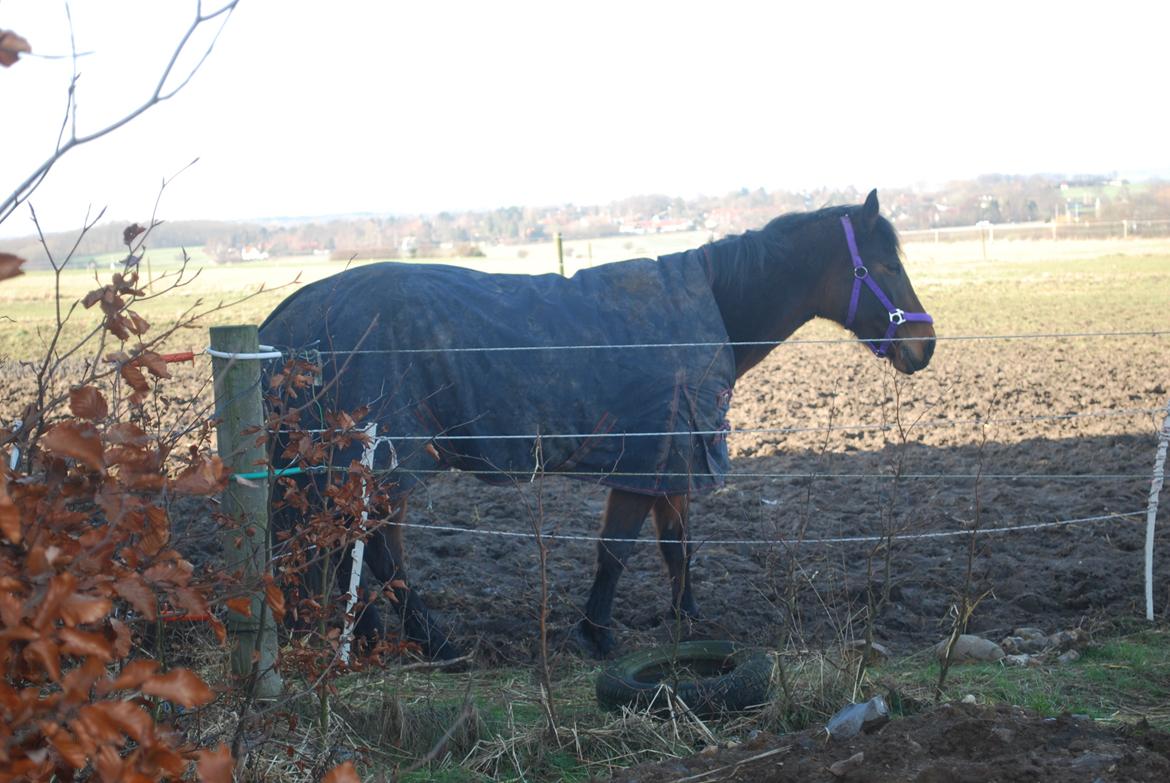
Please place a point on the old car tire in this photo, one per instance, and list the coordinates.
(711, 677)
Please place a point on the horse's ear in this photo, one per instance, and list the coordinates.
(869, 211)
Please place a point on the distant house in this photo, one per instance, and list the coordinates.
(253, 253)
(659, 224)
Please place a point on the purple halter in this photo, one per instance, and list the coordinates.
(861, 274)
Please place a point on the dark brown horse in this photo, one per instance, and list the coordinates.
(748, 292)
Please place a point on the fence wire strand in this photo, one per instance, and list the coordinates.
(855, 427)
(744, 343)
(788, 542)
(810, 476)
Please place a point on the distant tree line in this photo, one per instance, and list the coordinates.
(994, 198)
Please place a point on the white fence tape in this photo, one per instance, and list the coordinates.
(266, 352)
(359, 546)
(1152, 510)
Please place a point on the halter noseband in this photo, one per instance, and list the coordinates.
(860, 275)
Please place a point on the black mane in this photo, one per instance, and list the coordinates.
(755, 255)
(760, 273)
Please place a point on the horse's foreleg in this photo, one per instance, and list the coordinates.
(386, 558)
(624, 514)
(670, 520)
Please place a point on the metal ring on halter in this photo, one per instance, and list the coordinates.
(898, 316)
(860, 272)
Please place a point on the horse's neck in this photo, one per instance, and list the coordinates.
(764, 300)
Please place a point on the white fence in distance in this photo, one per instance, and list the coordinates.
(989, 232)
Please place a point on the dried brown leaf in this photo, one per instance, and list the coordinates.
(275, 597)
(121, 716)
(135, 592)
(191, 601)
(217, 626)
(122, 638)
(93, 297)
(9, 515)
(173, 571)
(75, 685)
(155, 364)
(131, 232)
(179, 686)
(134, 378)
(159, 757)
(10, 266)
(79, 608)
(44, 652)
(118, 325)
(205, 477)
(109, 765)
(132, 676)
(11, 47)
(215, 765)
(61, 586)
(140, 325)
(68, 748)
(342, 773)
(126, 434)
(158, 531)
(77, 439)
(85, 643)
(240, 605)
(86, 402)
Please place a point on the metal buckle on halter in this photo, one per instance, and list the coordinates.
(860, 272)
(897, 316)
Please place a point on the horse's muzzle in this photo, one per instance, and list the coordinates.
(913, 355)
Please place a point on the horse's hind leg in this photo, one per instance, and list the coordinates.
(624, 514)
(670, 520)
(386, 558)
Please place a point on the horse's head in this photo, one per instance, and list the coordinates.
(870, 294)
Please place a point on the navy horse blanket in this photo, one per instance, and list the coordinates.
(511, 376)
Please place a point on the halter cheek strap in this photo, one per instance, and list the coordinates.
(861, 275)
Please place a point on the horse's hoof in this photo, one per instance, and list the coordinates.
(690, 614)
(445, 650)
(436, 643)
(593, 641)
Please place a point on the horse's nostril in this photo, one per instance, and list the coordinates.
(916, 353)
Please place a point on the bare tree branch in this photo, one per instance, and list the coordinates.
(25, 189)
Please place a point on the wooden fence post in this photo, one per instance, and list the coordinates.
(560, 253)
(240, 410)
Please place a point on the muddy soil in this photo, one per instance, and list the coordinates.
(950, 744)
(1070, 436)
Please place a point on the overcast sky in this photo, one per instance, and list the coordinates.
(313, 108)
